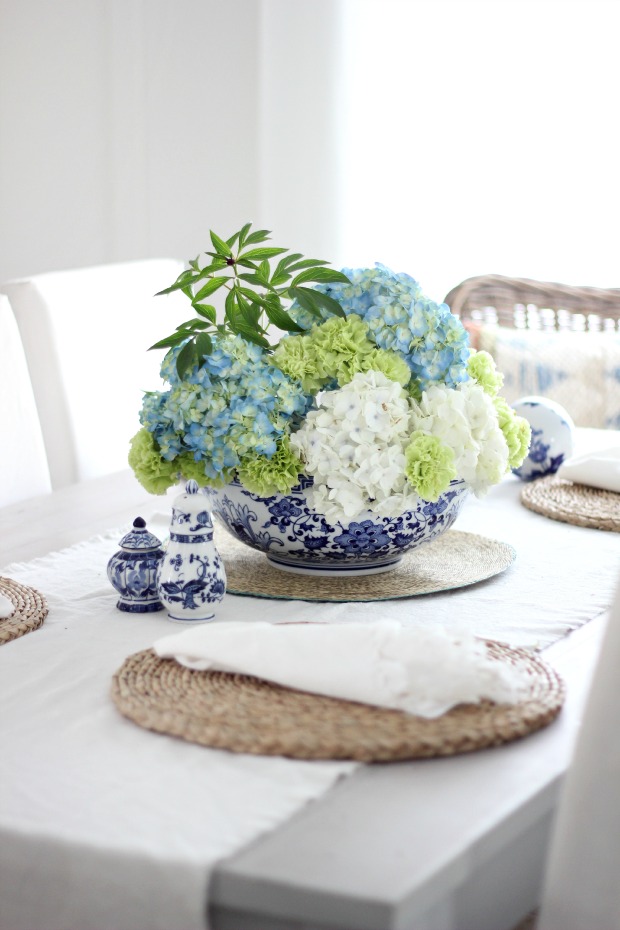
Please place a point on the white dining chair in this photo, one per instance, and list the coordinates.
(582, 882)
(86, 333)
(23, 465)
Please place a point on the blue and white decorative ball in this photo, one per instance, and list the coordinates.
(552, 436)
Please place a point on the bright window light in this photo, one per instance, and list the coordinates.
(482, 136)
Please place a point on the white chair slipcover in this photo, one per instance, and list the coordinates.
(86, 333)
(582, 884)
(23, 466)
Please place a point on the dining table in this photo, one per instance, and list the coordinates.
(106, 825)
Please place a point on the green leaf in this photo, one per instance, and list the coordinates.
(169, 341)
(254, 311)
(324, 300)
(260, 235)
(184, 326)
(307, 263)
(291, 263)
(254, 279)
(246, 264)
(312, 300)
(281, 319)
(195, 264)
(210, 287)
(186, 358)
(243, 233)
(230, 306)
(248, 316)
(207, 311)
(179, 284)
(264, 271)
(204, 344)
(279, 279)
(231, 241)
(320, 276)
(250, 334)
(216, 265)
(262, 252)
(221, 247)
(306, 299)
(293, 257)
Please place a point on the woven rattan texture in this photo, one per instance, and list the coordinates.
(30, 610)
(573, 503)
(522, 301)
(452, 560)
(245, 714)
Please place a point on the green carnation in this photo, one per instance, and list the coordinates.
(266, 476)
(336, 350)
(517, 432)
(429, 465)
(481, 367)
(340, 346)
(390, 363)
(296, 357)
(189, 468)
(152, 471)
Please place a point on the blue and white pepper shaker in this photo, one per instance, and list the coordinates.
(552, 436)
(191, 580)
(133, 570)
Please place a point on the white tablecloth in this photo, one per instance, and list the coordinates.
(105, 826)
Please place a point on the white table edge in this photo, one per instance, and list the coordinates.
(262, 888)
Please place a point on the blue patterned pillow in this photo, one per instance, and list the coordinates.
(580, 370)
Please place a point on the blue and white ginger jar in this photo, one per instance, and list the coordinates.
(191, 579)
(552, 436)
(133, 570)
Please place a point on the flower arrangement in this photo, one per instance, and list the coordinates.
(372, 390)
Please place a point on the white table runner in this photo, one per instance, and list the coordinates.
(105, 826)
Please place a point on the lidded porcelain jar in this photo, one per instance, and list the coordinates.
(552, 436)
(133, 570)
(191, 580)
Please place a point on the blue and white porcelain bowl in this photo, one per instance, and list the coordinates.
(552, 437)
(297, 539)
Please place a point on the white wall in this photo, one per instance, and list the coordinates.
(301, 164)
(128, 128)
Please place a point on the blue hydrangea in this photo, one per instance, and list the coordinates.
(233, 404)
(400, 317)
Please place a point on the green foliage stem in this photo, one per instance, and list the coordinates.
(255, 293)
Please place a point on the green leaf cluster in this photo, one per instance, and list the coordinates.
(256, 287)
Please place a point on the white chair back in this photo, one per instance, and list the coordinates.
(86, 333)
(582, 883)
(23, 466)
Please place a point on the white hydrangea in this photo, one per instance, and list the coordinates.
(465, 420)
(353, 446)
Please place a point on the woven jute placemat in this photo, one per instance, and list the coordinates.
(573, 503)
(453, 560)
(30, 610)
(245, 714)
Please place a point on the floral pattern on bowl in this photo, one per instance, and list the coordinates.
(296, 538)
(552, 437)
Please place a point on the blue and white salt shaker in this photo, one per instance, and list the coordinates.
(191, 580)
(133, 570)
(552, 436)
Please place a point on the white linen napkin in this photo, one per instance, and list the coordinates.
(599, 469)
(421, 671)
(6, 607)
